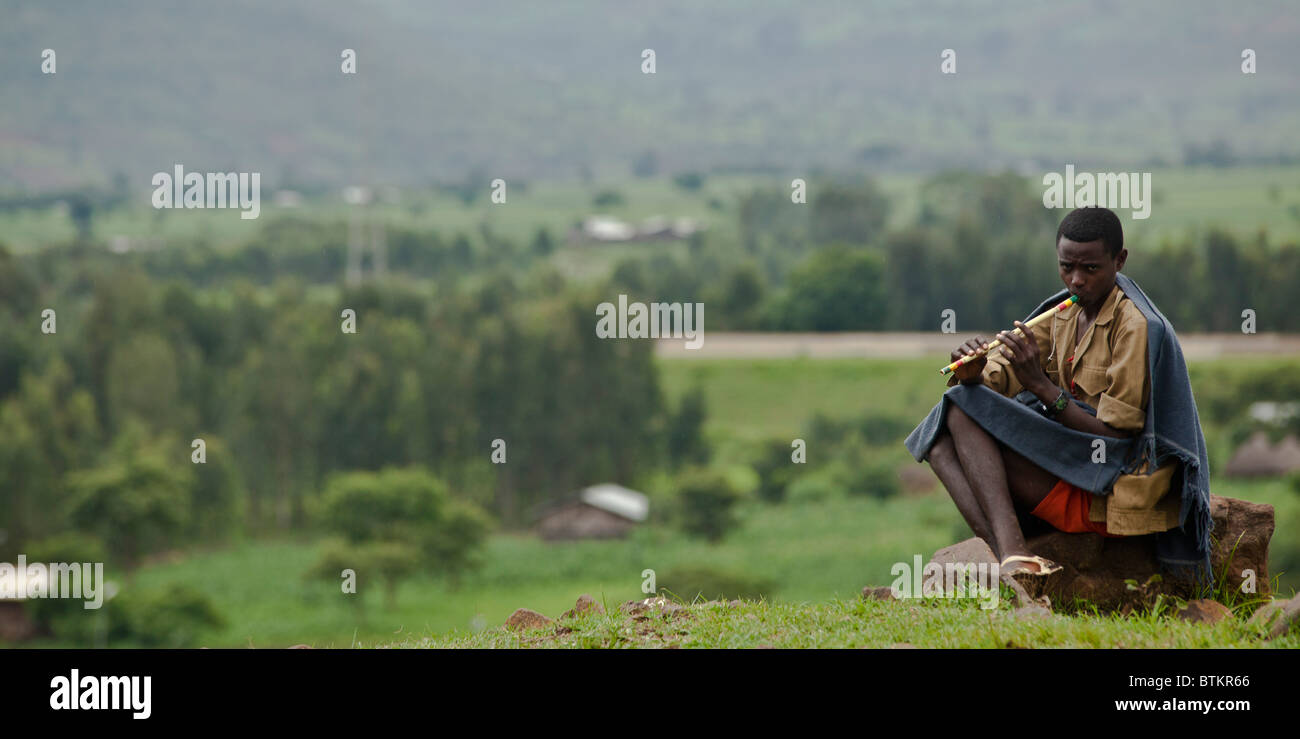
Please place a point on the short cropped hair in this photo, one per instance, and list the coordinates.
(1090, 224)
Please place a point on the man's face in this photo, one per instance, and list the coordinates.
(1087, 269)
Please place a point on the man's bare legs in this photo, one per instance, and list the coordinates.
(986, 480)
(943, 460)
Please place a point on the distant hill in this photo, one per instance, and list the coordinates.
(555, 89)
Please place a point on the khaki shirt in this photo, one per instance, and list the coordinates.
(1108, 371)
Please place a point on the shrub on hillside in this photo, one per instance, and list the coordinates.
(391, 524)
(706, 501)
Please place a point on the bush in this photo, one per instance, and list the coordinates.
(818, 487)
(686, 443)
(873, 478)
(394, 523)
(174, 616)
(882, 481)
(51, 614)
(775, 470)
(881, 430)
(691, 181)
(706, 502)
(608, 199)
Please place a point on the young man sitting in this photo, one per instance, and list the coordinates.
(1089, 455)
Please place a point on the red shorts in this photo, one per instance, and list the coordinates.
(1066, 507)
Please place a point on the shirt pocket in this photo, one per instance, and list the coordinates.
(1142, 492)
(1091, 382)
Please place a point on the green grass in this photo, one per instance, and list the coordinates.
(751, 400)
(858, 623)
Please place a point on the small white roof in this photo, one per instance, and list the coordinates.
(617, 500)
(604, 228)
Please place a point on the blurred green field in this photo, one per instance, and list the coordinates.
(811, 553)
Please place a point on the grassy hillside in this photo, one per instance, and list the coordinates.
(810, 554)
(934, 624)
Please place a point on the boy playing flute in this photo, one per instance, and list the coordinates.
(1059, 423)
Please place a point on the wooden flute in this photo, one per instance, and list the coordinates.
(997, 342)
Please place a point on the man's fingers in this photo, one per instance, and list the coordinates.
(1008, 341)
(1028, 344)
(1012, 348)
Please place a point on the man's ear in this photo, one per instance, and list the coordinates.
(1120, 259)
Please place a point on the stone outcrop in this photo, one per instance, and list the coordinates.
(526, 619)
(584, 606)
(1096, 569)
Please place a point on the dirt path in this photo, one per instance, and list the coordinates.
(920, 345)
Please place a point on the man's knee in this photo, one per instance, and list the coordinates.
(957, 419)
(942, 448)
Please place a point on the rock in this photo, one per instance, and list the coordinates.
(884, 592)
(976, 552)
(585, 605)
(1247, 527)
(972, 550)
(1023, 598)
(300, 646)
(640, 609)
(1278, 616)
(1095, 568)
(526, 619)
(1269, 613)
(1202, 611)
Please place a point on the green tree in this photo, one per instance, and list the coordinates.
(851, 213)
(686, 443)
(395, 523)
(706, 501)
(836, 289)
(775, 469)
(47, 428)
(137, 500)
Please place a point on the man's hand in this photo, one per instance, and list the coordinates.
(970, 373)
(1022, 356)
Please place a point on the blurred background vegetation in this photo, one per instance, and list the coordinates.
(372, 451)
